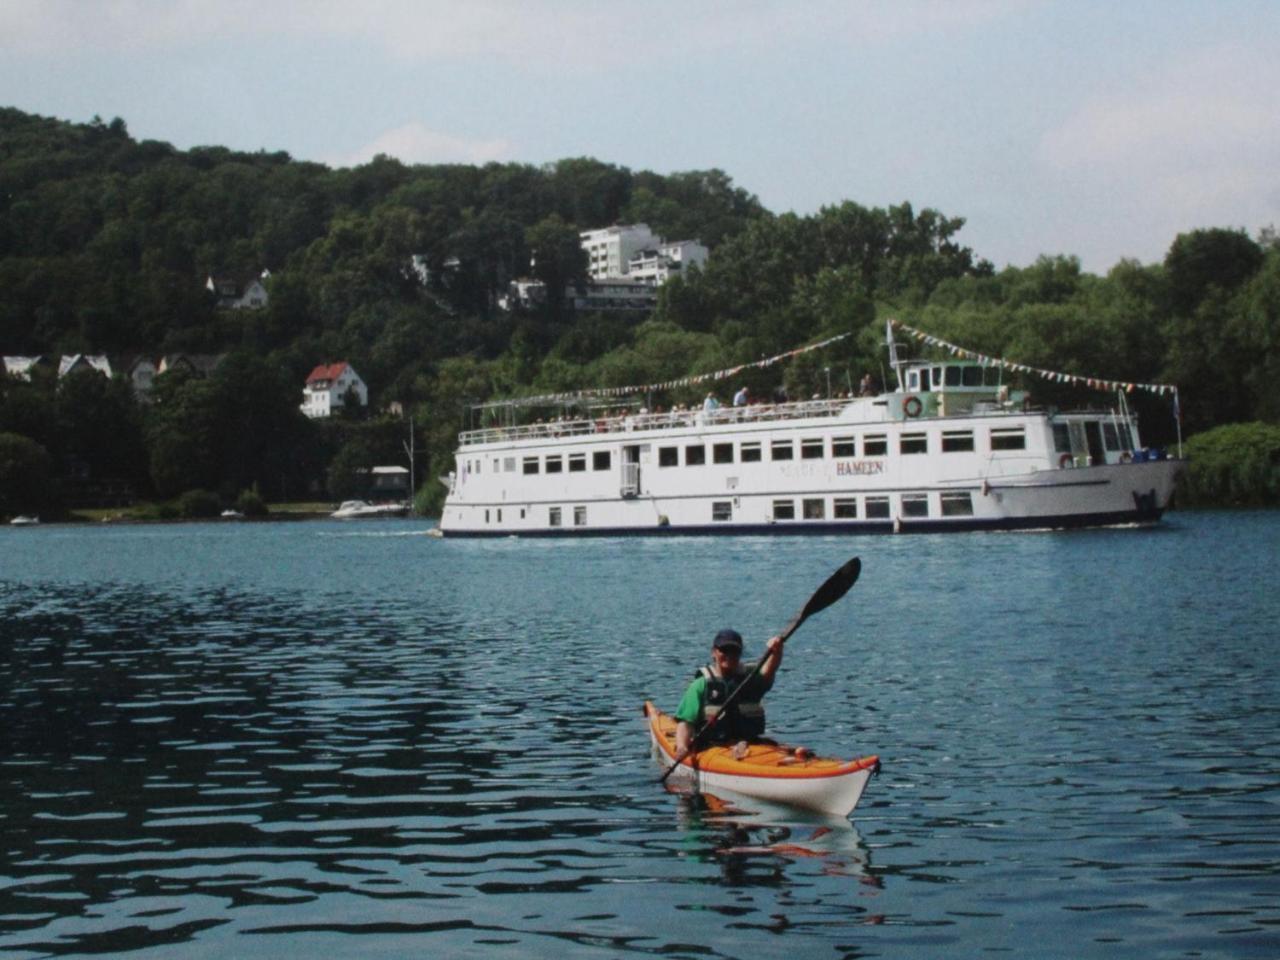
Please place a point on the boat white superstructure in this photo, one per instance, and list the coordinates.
(949, 449)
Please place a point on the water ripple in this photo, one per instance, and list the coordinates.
(230, 739)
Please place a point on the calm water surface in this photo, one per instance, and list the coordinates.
(292, 740)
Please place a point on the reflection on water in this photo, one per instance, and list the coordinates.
(285, 741)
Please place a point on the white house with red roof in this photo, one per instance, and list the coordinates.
(328, 387)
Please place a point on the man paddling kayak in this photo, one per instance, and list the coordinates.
(716, 683)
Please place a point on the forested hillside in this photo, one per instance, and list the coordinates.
(106, 243)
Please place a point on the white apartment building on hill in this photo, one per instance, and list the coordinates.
(618, 252)
(609, 249)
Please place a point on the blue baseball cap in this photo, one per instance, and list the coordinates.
(728, 640)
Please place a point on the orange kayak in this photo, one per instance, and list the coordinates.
(767, 771)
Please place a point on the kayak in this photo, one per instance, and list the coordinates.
(766, 771)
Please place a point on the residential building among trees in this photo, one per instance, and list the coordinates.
(331, 387)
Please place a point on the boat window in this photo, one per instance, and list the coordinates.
(496, 468)
(577, 462)
(486, 516)
(924, 380)
(721, 510)
(913, 381)
(914, 443)
(845, 508)
(784, 509)
(877, 508)
(1110, 436)
(722, 453)
(875, 445)
(668, 456)
(953, 376)
(915, 504)
(814, 509)
(957, 441)
(579, 516)
(1061, 438)
(957, 504)
(782, 450)
(937, 378)
(1008, 438)
(553, 517)
(600, 460)
(695, 455)
(750, 452)
(811, 448)
(842, 447)
(499, 514)
(555, 464)
(530, 464)
(509, 465)
(991, 376)
(972, 375)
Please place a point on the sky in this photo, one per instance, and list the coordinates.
(1099, 130)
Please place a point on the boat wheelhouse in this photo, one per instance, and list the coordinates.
(950, 449)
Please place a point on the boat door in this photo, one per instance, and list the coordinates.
(630, 486)
(1093, 436)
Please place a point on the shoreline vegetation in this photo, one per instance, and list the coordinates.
(109, 247)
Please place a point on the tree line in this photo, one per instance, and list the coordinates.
(105, 243)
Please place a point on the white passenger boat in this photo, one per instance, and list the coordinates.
(950, 449)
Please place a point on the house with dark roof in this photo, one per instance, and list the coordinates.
(239, 293)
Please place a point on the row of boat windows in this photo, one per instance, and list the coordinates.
(872, 507)
(819, 448)
(753, 451)
(1114, 437)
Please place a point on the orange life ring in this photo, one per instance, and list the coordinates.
(1066, 460)
(912, 406)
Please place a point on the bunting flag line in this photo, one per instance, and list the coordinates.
(1097, 383)
(548, 398)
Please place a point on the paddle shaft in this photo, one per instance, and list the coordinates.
(835, 587)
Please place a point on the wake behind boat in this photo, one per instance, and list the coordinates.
(767, 771)
(951, 449)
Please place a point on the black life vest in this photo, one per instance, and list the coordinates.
(744, 718)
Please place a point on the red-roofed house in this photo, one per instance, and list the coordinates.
(327, 388)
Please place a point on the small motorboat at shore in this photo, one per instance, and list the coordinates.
(363, 510)
(24, 521)
(766, 770)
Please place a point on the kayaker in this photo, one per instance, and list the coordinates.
(715, 683)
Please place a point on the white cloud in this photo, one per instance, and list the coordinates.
(415, 143)
(1199, 139)
(566, 34)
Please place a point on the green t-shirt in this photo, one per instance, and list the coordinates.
(695, 696)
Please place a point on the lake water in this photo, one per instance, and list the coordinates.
(315, 739)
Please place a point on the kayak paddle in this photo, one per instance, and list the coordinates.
(835, 587)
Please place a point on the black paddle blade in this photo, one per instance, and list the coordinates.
(836, 586)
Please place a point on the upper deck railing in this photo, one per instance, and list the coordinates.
(629, 423)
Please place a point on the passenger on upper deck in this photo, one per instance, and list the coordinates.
(867, 388)
(711, 403)
(740, 399)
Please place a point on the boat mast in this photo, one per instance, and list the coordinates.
(894, 362)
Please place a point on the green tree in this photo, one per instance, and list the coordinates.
(26, 476)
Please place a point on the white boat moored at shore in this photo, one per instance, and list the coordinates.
(363, 510)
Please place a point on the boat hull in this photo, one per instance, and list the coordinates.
(768, 771)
